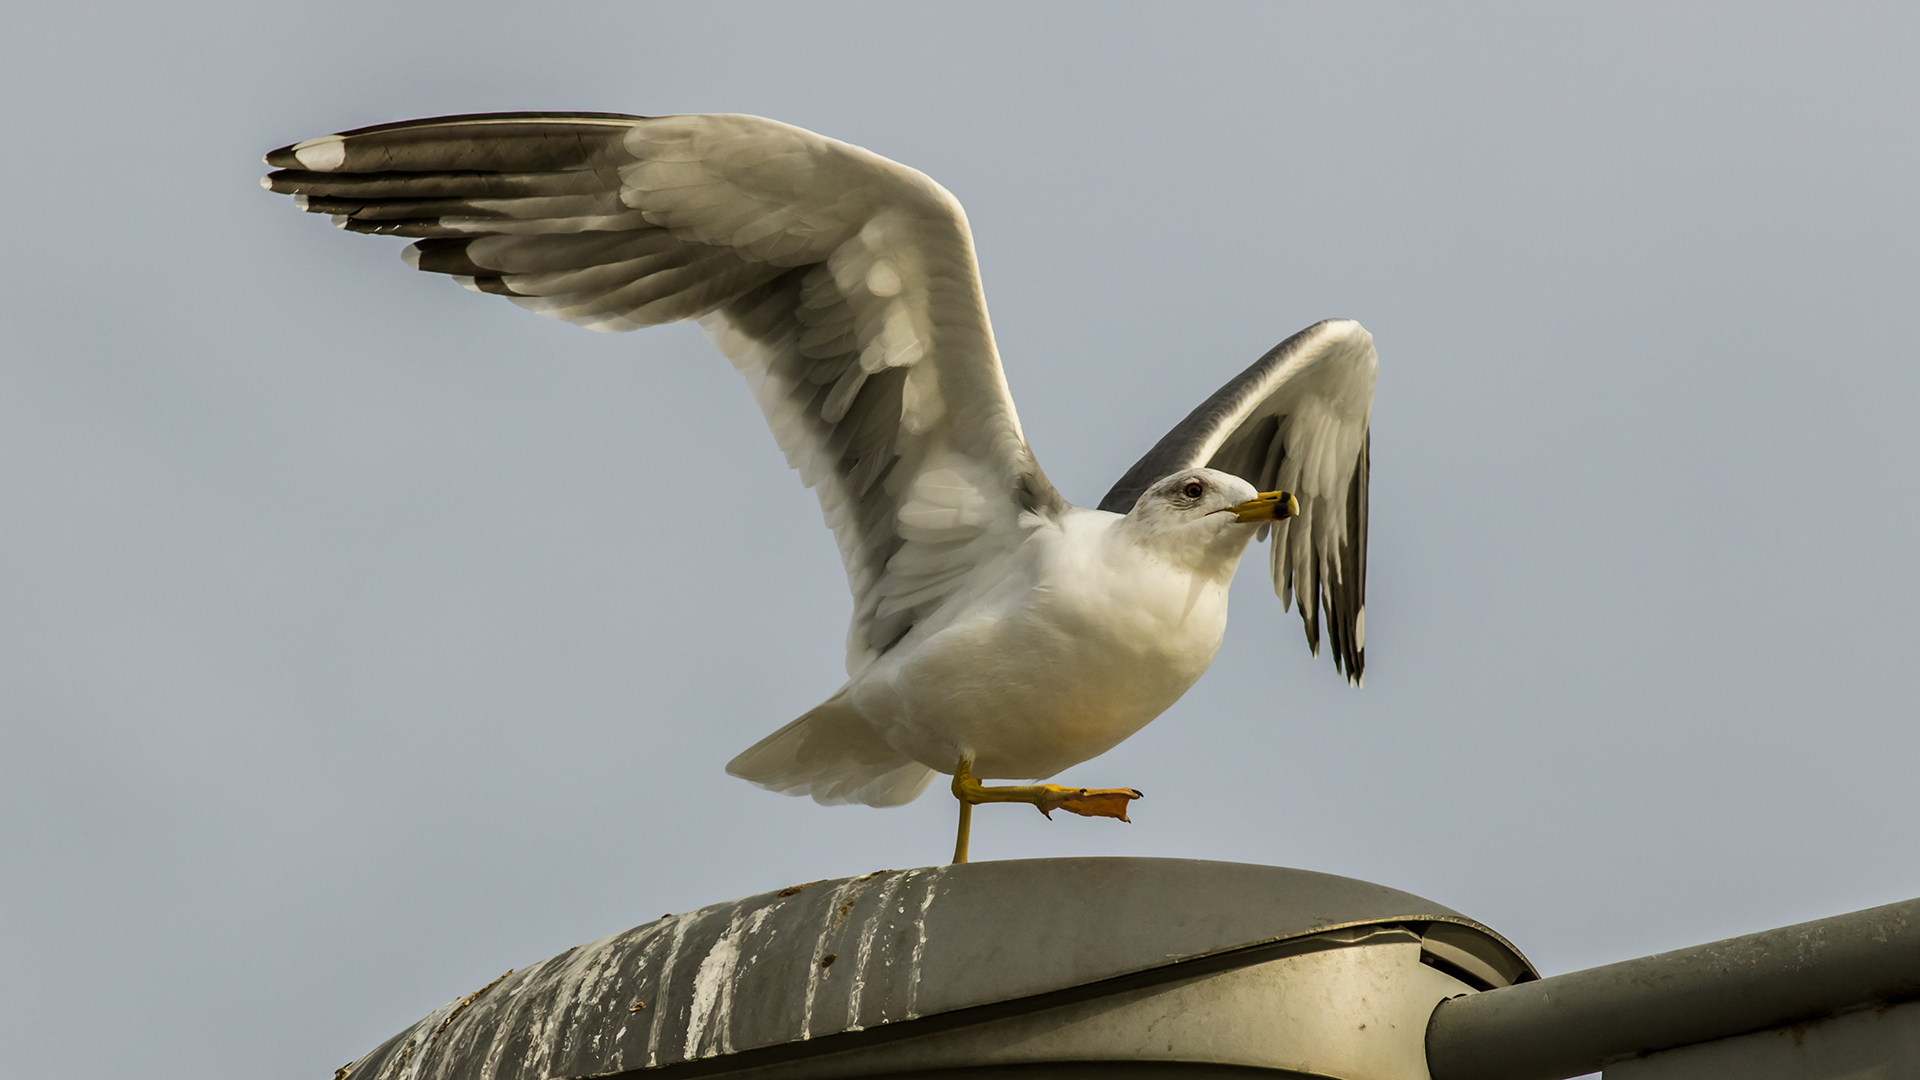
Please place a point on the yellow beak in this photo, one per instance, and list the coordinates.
(1266, 506)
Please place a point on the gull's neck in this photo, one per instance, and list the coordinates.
(1206, 548)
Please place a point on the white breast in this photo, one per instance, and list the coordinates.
(1075, 648)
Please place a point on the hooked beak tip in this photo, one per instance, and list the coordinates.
(1267, 506)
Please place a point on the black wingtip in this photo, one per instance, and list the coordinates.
(419, 135)
(448, 256)
(489, 118)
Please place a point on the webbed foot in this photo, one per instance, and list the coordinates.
(1046, 798)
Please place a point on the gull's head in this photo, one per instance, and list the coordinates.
(1205, 515)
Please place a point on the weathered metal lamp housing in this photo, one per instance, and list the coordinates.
(1056, 967)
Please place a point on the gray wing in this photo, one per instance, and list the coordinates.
(841, 284)
(1296, 420)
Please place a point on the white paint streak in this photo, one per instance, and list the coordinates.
(934, 875)
(572, 983)
(712, 1005)
(815, 972)
(506, 1024)
(864, 952)
(666, 987)
(650, 935)
(556, 1014)
(751, 952)
(413, 1058)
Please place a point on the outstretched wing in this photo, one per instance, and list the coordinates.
(1296, 420)
(842, 284)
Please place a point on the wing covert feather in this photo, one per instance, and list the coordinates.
(843, 285)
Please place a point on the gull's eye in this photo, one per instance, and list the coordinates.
(1193, 490)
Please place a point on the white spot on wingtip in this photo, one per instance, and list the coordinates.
(299, 202)
(324, 154)
(411, 255)
(267, 182)
(340, 221)
(465, 282)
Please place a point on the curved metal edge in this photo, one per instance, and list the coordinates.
(1116, 1070)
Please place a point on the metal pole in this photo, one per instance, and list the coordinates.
(1576, 1023)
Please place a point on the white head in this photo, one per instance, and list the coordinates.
(1201, 519)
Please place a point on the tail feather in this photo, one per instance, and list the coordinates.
(834, 755)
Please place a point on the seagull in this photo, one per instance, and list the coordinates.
(999, 631)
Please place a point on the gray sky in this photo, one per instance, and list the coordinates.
(362, 638)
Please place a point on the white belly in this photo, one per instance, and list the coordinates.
(1028, 681)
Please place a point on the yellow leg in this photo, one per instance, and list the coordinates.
(1046, 798)
(966, 829)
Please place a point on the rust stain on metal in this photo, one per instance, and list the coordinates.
(460, 1008)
